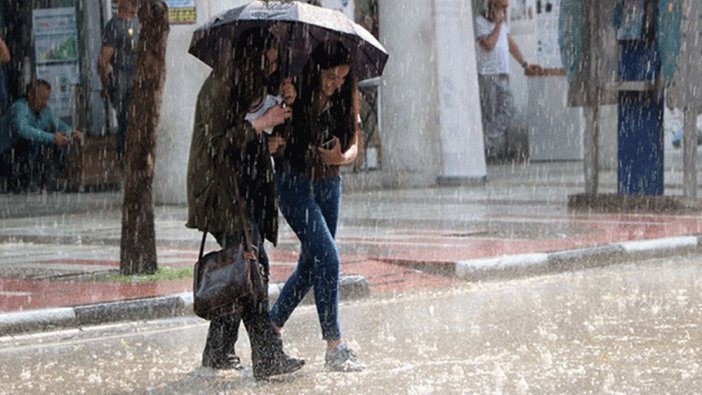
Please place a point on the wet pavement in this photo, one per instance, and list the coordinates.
(620, 329)
(52, 246)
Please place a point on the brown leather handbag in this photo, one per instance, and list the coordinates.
(225, 280)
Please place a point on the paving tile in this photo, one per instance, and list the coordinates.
(383, 235)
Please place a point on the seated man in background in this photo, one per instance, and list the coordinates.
(36, 141)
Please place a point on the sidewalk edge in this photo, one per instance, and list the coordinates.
(576, 259)
(22, 322)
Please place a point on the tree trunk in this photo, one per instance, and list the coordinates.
(138, 247)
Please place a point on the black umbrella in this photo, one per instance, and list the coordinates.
(300, 27)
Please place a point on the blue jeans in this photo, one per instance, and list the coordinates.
(311, 208)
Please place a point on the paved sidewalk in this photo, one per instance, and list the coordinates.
(390, 241)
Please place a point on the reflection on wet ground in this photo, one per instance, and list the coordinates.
(620, 329)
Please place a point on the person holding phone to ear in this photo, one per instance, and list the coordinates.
(495, 44)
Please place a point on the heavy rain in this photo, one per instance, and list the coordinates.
(623, 329)
(506, 190)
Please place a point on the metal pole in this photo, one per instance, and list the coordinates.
(689, 28)
(591, 136)
(689, 153)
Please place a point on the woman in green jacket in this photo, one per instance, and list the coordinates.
(225, 149)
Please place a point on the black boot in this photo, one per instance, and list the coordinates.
(219, 348)
(280, 364)
(228, 362)
(267, 353)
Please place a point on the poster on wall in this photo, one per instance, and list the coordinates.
(55, 35)
(548, 50)
(519, 10)
(56, 54)
(181, 12)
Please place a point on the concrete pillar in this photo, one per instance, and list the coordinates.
(460, 126)
(689, 154)
(410, 136)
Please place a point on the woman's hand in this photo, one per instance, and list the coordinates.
(288, 92)
(334, 156)
(272, 118)
(274, 144)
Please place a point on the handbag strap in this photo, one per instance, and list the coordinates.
(248, 241)
(242, 217)
(202, 245)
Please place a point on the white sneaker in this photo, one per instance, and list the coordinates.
(342, 359)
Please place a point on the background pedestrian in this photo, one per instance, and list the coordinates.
(5, 58)
(495, 44)
(117, 63)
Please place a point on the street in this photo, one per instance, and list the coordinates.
(631, 328)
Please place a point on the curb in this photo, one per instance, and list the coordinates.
(577, 259)
(356, 286)
(350, 287)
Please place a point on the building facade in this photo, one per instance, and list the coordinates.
(421, 118)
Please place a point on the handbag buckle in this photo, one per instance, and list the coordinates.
(251, 253)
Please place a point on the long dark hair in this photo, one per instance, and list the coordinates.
(344, 102)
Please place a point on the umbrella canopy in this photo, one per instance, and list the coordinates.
(300, 27)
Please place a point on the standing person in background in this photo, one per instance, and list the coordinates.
(117, 63)
(5, 159)
(495, 44)
(5, 58)
(325, 135)
(227, 151)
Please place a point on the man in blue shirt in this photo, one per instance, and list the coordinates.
(36, 140)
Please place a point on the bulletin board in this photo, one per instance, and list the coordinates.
(181, 12)
(56, 54)
(548, 49)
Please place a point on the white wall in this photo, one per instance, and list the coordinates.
(184, 76)
(555, 129)
(411, 125)
(524, 34)
(410, 136)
